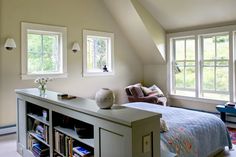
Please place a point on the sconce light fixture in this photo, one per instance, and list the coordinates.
(75, 47)
(10, 44)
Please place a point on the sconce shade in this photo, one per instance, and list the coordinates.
(75, 47)
(10, 44)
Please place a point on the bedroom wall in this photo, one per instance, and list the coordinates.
(76, 15)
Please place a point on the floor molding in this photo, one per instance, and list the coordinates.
(7, 130)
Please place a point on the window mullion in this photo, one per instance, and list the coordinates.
(42, 52)
(197, 66)
(231, 63)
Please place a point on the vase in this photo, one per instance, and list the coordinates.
(42, 90)
(104, 98)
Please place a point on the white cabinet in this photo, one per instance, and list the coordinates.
(117, 132)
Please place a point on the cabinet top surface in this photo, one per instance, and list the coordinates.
(119, 114)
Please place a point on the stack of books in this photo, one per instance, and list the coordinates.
(42, 132)
(81, 152)
(31, 141)
(40, 150)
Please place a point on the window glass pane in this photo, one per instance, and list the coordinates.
(185, 92)
(222, 43)
(34, 62)
(190, 77)
(50, 53)
(209, 48)
(190, 49)
(34, 43)
(180, 49)
(216, 96)
(179, 78)
(97, 53)
(190, 63)
(208, 78)
(222, 79)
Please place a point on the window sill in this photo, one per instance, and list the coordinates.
(204, 100)
(98, 74)
(31, 77)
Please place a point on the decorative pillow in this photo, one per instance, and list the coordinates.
(136, 91)
(127, 89)
(156, 91)
(163, 126)
(146, 90)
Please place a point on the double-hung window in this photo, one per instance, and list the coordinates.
(215, 67)
(184, 66)
(43, 51)
(200, 64)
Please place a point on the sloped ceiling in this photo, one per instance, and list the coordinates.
(176, 15)
(145, 22)
(150, 51)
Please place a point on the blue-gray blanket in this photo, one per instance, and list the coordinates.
(191, 133)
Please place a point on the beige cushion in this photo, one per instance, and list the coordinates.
(146, 90)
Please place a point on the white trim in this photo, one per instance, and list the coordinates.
(204, 100)
(99, 34)
(45, 29)
(7, 130)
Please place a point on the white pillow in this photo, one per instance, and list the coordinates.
(157, 90)
(163, 126)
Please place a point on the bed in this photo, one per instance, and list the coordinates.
(191, 133)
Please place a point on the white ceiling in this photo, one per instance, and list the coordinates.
(181, 14)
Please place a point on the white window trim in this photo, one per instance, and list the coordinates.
(44, 28)
(197, 33)
(102, 34)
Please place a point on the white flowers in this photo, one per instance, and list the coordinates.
(42, 81)
(42, 84)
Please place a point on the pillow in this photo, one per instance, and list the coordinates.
(156, 91)
(136, 91)
(163, 126)
(146, 90)
(127, 89)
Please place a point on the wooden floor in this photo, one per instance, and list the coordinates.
(8, 148)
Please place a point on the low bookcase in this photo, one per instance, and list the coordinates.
(50, 126)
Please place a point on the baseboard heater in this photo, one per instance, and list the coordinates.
(7, 129)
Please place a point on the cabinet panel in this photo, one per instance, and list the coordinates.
(21, 111)
(111, 144)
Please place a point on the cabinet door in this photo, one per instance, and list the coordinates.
(21, 122)
(111, 144)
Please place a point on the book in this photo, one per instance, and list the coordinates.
(230, 104)
(81, 151)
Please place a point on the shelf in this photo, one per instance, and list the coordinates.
(73, 134)
(39, 118)
(38, 138)
(59, 153)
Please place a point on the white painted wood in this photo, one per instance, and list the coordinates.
(118, 132)
(8, 130)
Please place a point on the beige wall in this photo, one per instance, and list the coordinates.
(76, 15)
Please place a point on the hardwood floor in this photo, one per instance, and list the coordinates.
(8, 148)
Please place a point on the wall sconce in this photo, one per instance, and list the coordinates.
(75, 47)
(10, 44)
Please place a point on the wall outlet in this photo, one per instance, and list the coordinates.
(147, 143)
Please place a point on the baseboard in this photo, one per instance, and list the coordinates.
(7, 129)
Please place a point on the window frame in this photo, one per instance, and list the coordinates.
(231, 30)
(87, 33)
(44, 29)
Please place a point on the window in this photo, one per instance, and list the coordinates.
(98, 50)
(202, 64)
(43, 51)
(184, 66)
(215, 67)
